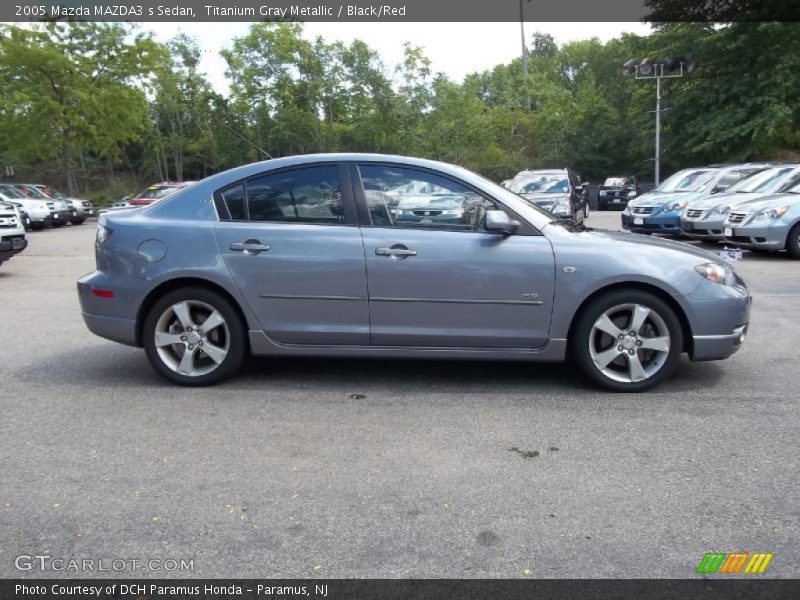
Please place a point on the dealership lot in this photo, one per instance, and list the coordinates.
(366, 468)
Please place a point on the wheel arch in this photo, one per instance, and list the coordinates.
(662, 294)
(176, 284)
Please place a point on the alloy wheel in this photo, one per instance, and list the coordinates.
(192, 338)
(629, 343)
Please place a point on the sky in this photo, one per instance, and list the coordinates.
(454, 49)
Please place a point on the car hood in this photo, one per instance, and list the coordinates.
(661, 198)
(626, 242)
(767, 202)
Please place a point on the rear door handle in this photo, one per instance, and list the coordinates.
(398, 252)
(248, 247)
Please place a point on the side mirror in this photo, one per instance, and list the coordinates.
(499, 222)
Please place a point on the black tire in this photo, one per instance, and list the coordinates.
(663, 364)
(37, 226)
(59, 223)
(234, 337)
(793, 242)
(77, 221)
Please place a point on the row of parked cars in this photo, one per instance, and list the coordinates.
(26, 206)
(752, 205)
(41, 206)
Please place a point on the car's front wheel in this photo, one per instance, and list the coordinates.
(194, 336)
(627, 340)
(793, 242)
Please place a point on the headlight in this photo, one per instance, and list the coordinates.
(716, 272)
(102, 235)
(561, 206)
(627, 210)
(602, 193)
(680, 204)
(632, 193)
(775, 213)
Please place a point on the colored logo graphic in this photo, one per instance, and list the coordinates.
(732, 563)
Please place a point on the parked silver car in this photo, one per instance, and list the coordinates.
(771, 223)
(81, 209)
(703, 218)
(302, 256)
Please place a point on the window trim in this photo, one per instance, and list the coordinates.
(348, 202)
(365, 220)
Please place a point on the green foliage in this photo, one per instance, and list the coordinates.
(105, 107)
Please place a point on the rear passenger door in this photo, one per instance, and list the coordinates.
(291, 242)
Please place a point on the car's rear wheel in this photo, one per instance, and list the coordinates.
(627, 340)
(78, 220)
(194, 336)
(793, 242)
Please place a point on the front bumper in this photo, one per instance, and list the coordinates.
(703, 229)
(60, 216)
(661, 222)
(11, 245)
(720, 315)
(767, 236)
(612, 202)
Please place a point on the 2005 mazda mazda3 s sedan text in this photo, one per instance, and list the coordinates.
(315, 256)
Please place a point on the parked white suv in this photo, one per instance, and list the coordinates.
(40, 212)
(83, 208)
(12, 232)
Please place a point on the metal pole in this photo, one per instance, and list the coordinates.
(524, 54)
(658, 128)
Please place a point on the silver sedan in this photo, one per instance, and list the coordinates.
(304, 256)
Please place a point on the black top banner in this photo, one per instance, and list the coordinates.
(400, 10)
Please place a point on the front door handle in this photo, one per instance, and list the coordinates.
(251, 247)
(396, 251)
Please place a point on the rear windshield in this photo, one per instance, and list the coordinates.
(158, 191)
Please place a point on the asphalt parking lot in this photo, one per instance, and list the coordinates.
(368, 468)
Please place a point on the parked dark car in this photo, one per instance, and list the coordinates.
(616, 192)
(558, 191)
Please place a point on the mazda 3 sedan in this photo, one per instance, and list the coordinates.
(305, 256)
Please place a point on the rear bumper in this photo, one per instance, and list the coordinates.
(111, 318)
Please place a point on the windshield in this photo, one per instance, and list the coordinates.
(50, 191)
(616, 182)
(763, 181)
(552, 183)
(31, 192)
(11, 192)
(793, 189)
(687, 181)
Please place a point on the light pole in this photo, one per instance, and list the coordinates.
(524, 53)
(669, 68)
